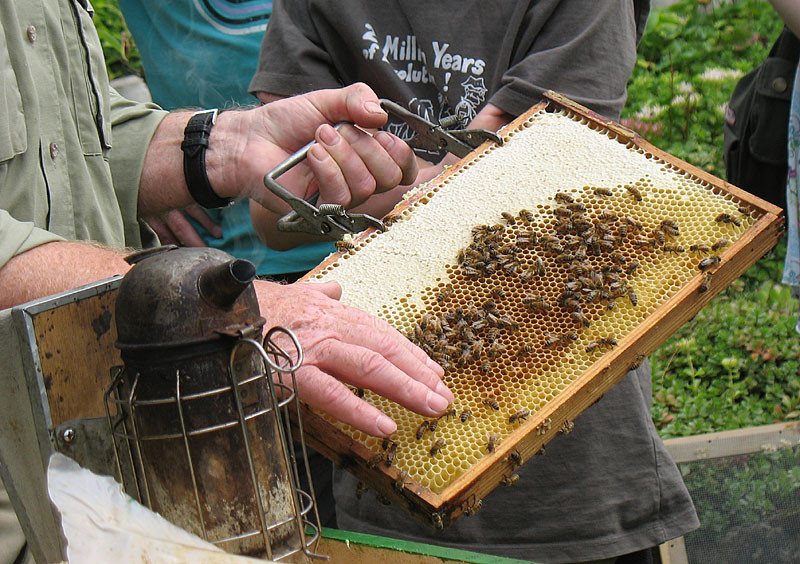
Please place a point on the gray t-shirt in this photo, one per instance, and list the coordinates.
(609, 487)
(451, 58)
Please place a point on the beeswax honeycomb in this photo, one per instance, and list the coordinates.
(521, 269)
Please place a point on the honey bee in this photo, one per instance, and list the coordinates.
(527, 274)
(445, 294)
(539, 267)
(637, 362)
(383, 499)
(743, 210)
(709, 262)
(603, 192)
(700, 248)
(632, 268)
(400, 483)
(563, 339)
(524, 350)
(563, 212)
(526, 239)
(436, 519)
(376, 459)
(491, 401)
(511, 480)
(433, 425)
(343, 245)
(728, 218)
(422, 429)
(552, 340)
(564, 198)
(608, 342)
(565, 257)
(361, 487)
(632, 297)
(491, 442)
(386, 444)
(391, 453)
(633, 191)
(673, 249)
(644, 242)
(474, 508)
(527, 215)
(515, 459)
(510, 220)
(722, 243)
(659, 236)
(567, 427)
(705, 283)
(437, 446)
(495, 350)
(576, 208)
(466, 415)
(358, 392)
(522, 414)
(635, 225)
(580, 318)
(670, 227)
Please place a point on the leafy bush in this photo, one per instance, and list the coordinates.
(690, 58)
(736, 363)
(122, 57)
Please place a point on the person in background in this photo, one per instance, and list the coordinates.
(789, 10)
(80, 166)
(608, 491)
(202, 55)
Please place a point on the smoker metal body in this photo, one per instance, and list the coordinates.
(199, 412)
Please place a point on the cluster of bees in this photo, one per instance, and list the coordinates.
(529, 286)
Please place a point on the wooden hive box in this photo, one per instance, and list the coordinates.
(538, 273)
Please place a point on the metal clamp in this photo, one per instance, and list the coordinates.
(328, 220)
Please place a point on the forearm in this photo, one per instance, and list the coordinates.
(56, 267)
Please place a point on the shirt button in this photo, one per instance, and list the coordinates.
(53, 150)
(31, 33)
(780, 85)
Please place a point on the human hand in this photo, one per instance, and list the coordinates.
(344, 345)
(173, 228)
(345, 166)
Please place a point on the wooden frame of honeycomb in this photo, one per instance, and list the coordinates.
(538, 273)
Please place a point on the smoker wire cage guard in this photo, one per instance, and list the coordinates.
(266, 522)
(418, 268)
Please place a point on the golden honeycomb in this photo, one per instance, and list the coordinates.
(520, 269)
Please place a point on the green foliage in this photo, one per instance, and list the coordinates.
(690, 58)
(122, 57)
(736, 363)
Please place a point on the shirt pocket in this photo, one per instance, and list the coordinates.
(13, 134)
(90, 90)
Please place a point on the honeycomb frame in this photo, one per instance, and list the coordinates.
(373, 461)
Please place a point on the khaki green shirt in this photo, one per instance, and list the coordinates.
(71, 149)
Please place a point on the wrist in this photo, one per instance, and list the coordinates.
(195, 148)
(225, 166)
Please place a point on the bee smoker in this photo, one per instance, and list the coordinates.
(199, 411)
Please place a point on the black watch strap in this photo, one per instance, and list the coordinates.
(195, 143)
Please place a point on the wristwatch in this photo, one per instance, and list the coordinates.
(195, 143)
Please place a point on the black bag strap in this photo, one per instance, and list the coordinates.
(786, 46)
